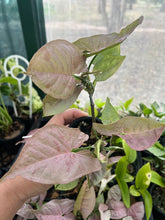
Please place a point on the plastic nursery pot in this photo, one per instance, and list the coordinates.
(85, 125)
(158, 197)
(7, 143)
(162, 140)
(8, 147)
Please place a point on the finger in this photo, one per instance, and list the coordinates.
(67, 117)
(72, 114)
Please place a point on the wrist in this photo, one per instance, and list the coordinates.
(10, 199)
(13, 188)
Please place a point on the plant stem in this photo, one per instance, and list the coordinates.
(139, 161)
(92, 107)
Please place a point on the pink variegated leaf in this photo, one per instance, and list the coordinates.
(56, 207)
(114, 193)
(38, 199)
(105, 213)
(48, 158)
(88, 202)
(128, 218)
(53, 217)
(26, 211)
(94, 217)
(28, 136)
(97, 43)
(96, 177)
(105, 180)
(54, 106)
(85, 201)
(136, 211)
(52, 68)
(114, 159)
(48, 217)
(117, 208)
(139, 133)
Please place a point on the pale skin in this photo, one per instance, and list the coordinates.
(15, 192)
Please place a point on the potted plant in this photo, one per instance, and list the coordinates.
(100, 174)
(12, 127)
(10, 89)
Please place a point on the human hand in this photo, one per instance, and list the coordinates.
(20, 189)
(64, 118)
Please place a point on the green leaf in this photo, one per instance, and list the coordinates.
(147, 202)
(146, 111)
(106, 64)
(128, 178)
(95, 44)
(121, 167)
(99, 103)
(120, 172)
(143, 177)
(114, 51)
(139, 133)
(8, 80)
(124, 191)
(157, 179)
(5, 90)
(130, 153)
(109, 114)
(134, 191)
(157, 150)
(99, 200)
(68, 186)
(155, 107)
(127, 103)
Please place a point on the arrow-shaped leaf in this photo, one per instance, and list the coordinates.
(139, 133)
(49, 160)
(52, 68)
(97, 43)
(85, 202)
(109, 114)
(56, 209)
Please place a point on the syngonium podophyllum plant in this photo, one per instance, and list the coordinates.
(53, 155)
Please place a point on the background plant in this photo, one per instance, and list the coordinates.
(6, 120)
(11, 93)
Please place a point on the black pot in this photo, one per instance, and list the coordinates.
(9, 151)
(6, 144)
(157, 212)
(85, 125)
(8, 147)
(162, 140)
